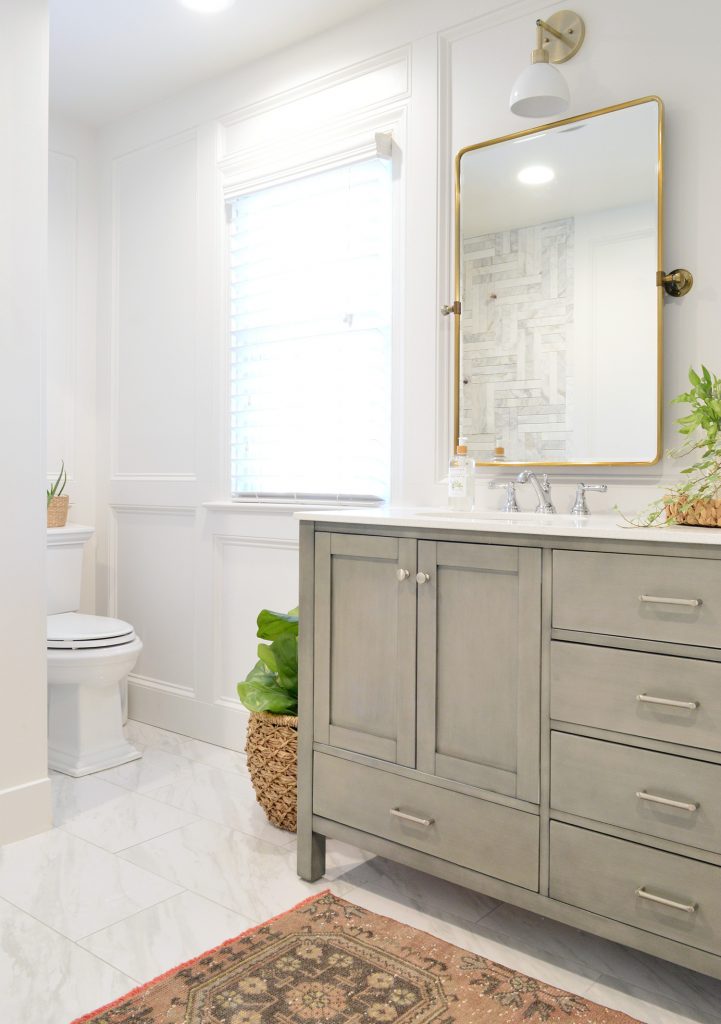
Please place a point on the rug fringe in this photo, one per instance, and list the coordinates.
(194, 960)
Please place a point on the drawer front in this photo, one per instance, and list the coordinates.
(673, 798)
(599, 687)
(647, 596)
(623, 881)
(496, 840)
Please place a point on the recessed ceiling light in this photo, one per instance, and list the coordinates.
(536, 175)
(207, 6)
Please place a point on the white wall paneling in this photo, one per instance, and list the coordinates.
(251, 573)
(154, 308)
(153, 586)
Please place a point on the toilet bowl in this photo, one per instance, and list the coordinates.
(89, 656)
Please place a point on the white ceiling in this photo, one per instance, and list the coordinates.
(110, 57)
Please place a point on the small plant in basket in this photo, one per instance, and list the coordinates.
(58, 502)
(270, 693)
(696, 501)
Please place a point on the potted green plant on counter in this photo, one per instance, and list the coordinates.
(58, 502)
(270, 693)
(695, 500)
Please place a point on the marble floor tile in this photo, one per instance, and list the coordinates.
(660, 979)
(342, 858)
(418, 889)
(165, 935)
(564, 974)
(109, 816)
(143, 735)
(75, 887)
(225, 797)
(47, 979)
(155, 768)
(645, 1007)
(245, 874)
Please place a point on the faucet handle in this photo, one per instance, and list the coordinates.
(511, 502)
(580, 505)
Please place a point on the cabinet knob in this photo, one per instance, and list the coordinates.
(422, 577)
(402, 574)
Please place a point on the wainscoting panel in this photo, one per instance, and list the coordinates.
(250, 573)
(153, 587)
(153, 319)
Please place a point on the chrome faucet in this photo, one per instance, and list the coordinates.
(510, 504)
(541, 486)
(580, 505)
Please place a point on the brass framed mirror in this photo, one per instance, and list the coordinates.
(558, 313)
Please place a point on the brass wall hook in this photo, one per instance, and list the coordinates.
(677, 283)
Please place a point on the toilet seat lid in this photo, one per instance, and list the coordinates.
(74, 631)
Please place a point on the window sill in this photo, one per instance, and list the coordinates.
(282, 507)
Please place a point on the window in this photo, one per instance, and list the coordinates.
(310, 308)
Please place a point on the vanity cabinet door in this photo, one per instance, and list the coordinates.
(365, 645)
(479, 647)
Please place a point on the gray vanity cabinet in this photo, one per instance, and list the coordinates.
(479, 646)
(365, 645)
(536, 717)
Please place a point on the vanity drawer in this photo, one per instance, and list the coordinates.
(462, 829)
(599, 687)
(637, 595)
(602, 781)
(606, 875)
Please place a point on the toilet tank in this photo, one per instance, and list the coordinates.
(65, 566)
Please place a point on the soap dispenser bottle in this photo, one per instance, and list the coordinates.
(461, 479)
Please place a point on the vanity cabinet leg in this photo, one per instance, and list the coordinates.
(311, 856)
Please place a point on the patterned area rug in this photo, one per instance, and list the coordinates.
(328, 960)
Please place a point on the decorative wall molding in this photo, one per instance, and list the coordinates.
(161, 684)
(164, 145)
(69, 327)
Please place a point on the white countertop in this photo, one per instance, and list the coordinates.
(596, 527)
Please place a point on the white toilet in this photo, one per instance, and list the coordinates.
(89, 657)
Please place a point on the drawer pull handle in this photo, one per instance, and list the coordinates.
(681, 804)
(688, 908)
(422, 577)
(402, 574)
(688, 602)
(398, 813)
(690, 705)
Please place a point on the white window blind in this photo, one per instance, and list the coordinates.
(310, 307)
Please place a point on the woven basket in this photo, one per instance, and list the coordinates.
(272, 749)
(699, 513)
(58, 510)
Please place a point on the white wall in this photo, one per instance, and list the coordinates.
(24, 786)
(72, 323)
(190, 575)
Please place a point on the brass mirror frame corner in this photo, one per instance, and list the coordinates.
(457, 311)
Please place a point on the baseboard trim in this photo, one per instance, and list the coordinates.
(221, 723)
(25, 810)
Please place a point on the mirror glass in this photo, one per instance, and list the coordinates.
(557, 248)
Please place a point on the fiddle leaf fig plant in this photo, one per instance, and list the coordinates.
(57, 488)
(272, 683)
(701, 428)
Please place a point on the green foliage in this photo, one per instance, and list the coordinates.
(272, 683)
(56, 489)
(702, 429)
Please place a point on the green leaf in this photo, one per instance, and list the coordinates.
(694, 377)
(272, 625)
(260, 674)
(285, 651)
(267, 656)
(258, 696)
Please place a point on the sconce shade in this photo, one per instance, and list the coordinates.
(540, 91)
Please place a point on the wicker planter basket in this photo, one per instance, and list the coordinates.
(58, 510)
(700, 513)
(272, 749)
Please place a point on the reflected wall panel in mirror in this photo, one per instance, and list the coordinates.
(558, 244)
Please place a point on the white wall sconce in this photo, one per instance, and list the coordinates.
(541, 90)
